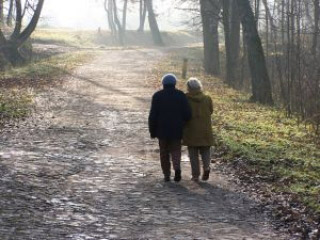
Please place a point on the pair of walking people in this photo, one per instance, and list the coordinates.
(177, 118)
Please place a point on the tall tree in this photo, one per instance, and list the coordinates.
(118, 23)
(156, 35)
(108, 7)
(231, 22)
(116, 26)
(142, 14)
(10, 47)
(210, 10)
(261, 86)
(316, 25)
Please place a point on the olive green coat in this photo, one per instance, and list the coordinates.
(198, 131)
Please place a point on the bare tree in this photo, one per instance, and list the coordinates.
(142, 14)
(156, 35)
(261, 86)
(117, 27)
(118, 23)
(108, 7)
(9, 47)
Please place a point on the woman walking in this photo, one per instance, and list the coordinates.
(198, 134)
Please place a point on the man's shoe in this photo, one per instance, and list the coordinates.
(206, 175)
(166, 178)
(177, 177)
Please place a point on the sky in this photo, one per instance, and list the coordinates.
(90, 14)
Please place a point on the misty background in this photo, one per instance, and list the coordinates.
(84, 14)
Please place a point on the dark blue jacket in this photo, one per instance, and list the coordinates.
(170, 111)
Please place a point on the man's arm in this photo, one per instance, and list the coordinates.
(153, 118)
(187, 113)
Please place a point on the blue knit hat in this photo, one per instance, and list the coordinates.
(169, 79)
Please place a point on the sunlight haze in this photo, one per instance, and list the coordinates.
(86, 14)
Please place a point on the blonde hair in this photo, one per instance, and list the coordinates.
(194, 84)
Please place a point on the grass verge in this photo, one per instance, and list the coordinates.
(102, 38)
(19, 85)
(269, 147)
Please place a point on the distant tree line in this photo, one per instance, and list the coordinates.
(19, 18)
(117, 24)
(273, 43)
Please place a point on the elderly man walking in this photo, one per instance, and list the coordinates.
(169, 113)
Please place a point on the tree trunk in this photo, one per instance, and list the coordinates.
(12, 54)
(257, 12)
(143, 14)
(118, 23)
(156, 35)
(316, 26)
(261, 86)
(210, 10)
(32, 25)
(124, 16)
(108, 7)
(231, 21)
(1, 13)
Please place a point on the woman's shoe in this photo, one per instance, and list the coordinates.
(206, 175)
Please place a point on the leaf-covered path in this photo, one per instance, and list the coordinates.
(84, 167)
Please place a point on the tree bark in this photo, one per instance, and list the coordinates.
(261, 86)
(156, 35)
(210, 10)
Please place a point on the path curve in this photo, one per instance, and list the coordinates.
(85, 167)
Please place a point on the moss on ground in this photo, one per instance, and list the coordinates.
(278, 148)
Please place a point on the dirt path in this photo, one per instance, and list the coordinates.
(85, 168)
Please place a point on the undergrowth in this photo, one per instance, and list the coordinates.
(274, 148)
(18, 85)
(49, 68)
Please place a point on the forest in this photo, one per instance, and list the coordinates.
(76, 158)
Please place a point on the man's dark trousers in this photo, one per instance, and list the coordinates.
(170, 148)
